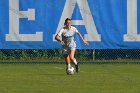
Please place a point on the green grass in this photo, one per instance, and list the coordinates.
(51, 78)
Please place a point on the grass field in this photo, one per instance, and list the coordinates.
(51, 78)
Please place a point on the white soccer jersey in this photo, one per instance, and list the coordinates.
(68, 36)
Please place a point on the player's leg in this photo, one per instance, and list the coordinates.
(67, 58)
(73, 59)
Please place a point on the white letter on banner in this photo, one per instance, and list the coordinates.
(86, 14)
(14, 15)
(132, 22)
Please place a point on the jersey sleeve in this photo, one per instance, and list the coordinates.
(75, 29)
(60, 32)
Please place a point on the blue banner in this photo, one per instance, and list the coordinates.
(105, 24)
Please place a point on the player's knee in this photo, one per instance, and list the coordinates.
(72, 58)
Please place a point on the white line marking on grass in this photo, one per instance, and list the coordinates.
(59, 67)
(83, 71)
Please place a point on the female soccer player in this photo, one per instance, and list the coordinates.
(68, 43)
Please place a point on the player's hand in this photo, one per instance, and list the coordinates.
(85, 42)
(62, 42)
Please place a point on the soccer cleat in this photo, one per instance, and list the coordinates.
(77, 67)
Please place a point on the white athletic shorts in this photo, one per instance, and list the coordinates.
(67, 50)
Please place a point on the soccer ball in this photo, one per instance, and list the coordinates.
(70, 71)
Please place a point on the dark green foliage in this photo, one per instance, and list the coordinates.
(57, 55)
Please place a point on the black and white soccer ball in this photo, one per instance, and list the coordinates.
(70, 71)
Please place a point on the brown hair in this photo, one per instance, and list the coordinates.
(67, 19)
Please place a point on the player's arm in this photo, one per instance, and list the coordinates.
(57, 37)
(84, 41)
